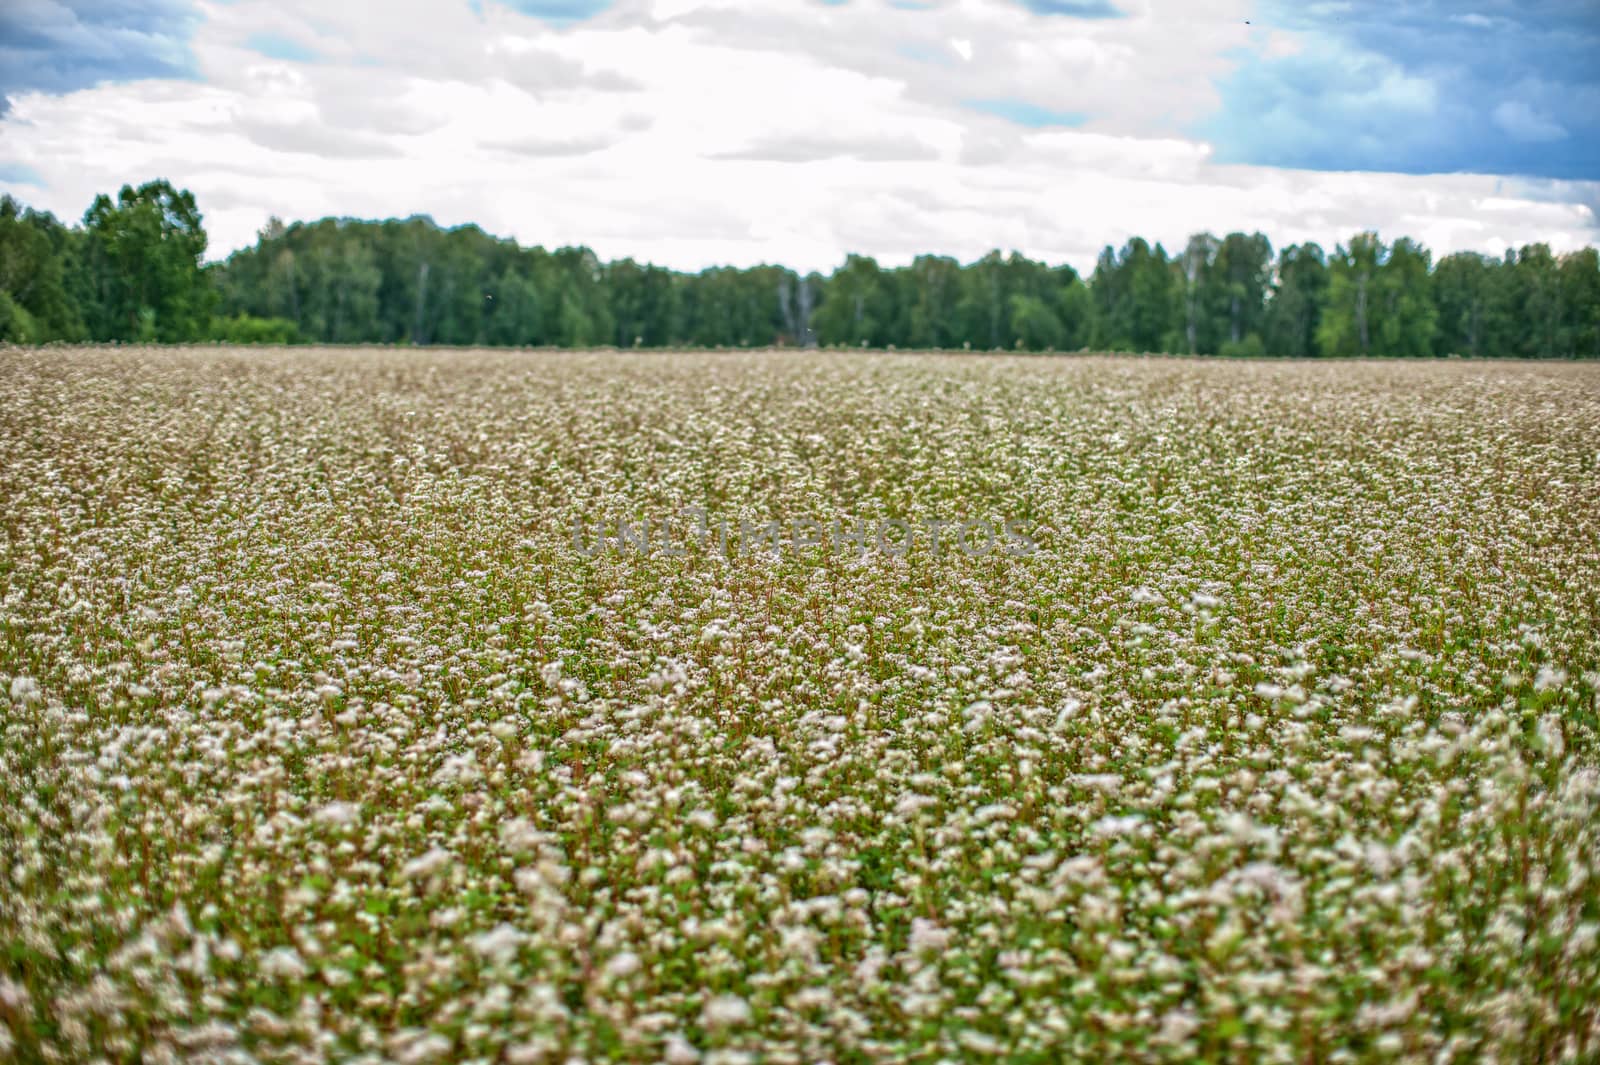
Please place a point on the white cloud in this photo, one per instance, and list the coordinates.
(689, 133)
(1523, 123)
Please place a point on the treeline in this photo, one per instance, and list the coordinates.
(134, 271)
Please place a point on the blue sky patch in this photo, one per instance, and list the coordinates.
(560, 12)
(1074, 8)
(1024, 113)
(76, 44)
(276, 46)
(20, 174)
(1420, 87)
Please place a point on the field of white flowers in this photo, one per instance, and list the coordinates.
(322, 740)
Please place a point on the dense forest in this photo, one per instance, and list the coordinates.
(134, 271)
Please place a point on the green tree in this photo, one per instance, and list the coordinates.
(1405, 315)
(857, 305)
(1299, 289)
(517, 319)
(246, 329)
(643, 303)
(1580, 288)
(1240, 278)
(1537, 302)
(1199, 255)
(934, 286)
(134, 271)
(1036, 326)
(1346, 324)
(1471, 297)
(37, 253)
(982, 311)
(145, 251)
(1138, 299)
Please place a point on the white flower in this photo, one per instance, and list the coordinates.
(1178, 1024)
(283, 963)
(338, 814)
(426, 865)
(980, 1043)
(13, 996)
(420, 1048)
(519, 836)
(678, 1051)
(499, 945)
(999, 811)
(1550, 735)
(1113, 827)
(25, 690)
(725, 1011)
(1549, 677)
(927, 937)
(866, 970)
(623, 964)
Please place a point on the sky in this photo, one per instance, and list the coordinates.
(699, 132)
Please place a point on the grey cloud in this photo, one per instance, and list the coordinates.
(355, 100)
(315, 139)
(1131, 75)
(984, 146)
(550, 148)
(58, 46)
(806, 150)
(542, 72)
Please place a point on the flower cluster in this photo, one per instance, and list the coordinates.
(320, 740)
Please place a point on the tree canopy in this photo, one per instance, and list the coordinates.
(135, 271)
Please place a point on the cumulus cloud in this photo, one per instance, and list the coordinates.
(693, 132)
(547, 147)
(1419, 87)
(315, 139)
(62, 45)
(806, 149)
(1523, 123)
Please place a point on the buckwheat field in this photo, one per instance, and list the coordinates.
(509, 707)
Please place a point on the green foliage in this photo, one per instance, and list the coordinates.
(1536, 288)
(1247, 347)
(1299, 292)
(145, 252)
(1240, 280)
(248, 329)
(1037, 327)
(1473, 305)
(1407, 317)
(17, 326)
(39, 258)
(858, 308)
(1137, 299)
(644, 304)
(1346, 324)
(133, 272)
(1580, 289)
